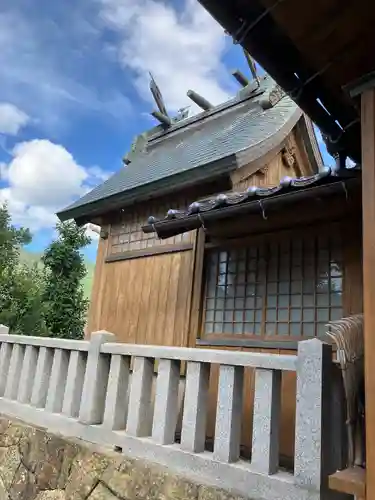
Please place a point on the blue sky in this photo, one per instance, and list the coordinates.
(74, 91)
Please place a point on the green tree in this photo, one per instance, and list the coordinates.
(21, 287)
(64, 299)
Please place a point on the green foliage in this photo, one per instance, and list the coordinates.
(31, 259)
(42, 296)
(11, 239)
(65, 304)
(21, 287)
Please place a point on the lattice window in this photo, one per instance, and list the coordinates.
(127, 234)
(286, 289)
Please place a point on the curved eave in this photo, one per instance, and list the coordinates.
(270, 129)
(270, 142)
(187, 179)
(254, 200)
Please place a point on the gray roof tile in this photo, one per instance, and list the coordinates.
(178, 221)
(205, 139)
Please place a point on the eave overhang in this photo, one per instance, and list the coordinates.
(207, 173)
(252, 25)
(259, 200)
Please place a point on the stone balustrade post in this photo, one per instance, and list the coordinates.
(27, 376)
(166, 402)
(140, 407)
(96, 379)
(229, 414)
(57, 382)
(42, 377)
(74, 384)
(193, 434)
(15, 367)
(5, 353)
(267, 408)
(116, 402)
(312, 440)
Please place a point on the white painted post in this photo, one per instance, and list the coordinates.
(194, 418)
(166, 402)
(312, 413)
(5, 353)
(57, 381)
(96, 380)
(267, 407)
(140, 409)
(42, 376)
(15, 367)
(74, 384)
(4, 330)
(116, 401)
(27, 376)
(229, 413)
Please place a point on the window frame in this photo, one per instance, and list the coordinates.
(252, 340)
(138, 217)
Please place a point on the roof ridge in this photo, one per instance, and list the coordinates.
(232, 103)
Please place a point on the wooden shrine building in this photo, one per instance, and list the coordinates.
(323, 56)
(224, 230)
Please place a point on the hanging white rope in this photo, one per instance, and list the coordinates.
(347, 333)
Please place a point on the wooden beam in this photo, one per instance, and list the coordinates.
(351, 481)
(368, 210)
(195, 307)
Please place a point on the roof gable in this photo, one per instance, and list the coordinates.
(199, 147)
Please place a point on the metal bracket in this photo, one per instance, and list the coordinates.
(155, 230)
(345, 190)
(263, 211)
(202, 222)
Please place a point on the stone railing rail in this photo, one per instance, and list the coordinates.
(86, 389)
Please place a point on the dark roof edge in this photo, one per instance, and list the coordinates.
(257, 151)
(323, 184)
(261, 41)
(182, 180)
(311, 143)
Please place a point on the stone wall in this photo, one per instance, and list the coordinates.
(37, 465)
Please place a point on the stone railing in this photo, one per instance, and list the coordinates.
(105, 392)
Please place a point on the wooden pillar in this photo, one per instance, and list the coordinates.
(365, 88)
(368, 211)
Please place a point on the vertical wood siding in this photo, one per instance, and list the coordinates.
(145, 300)
(275, 169)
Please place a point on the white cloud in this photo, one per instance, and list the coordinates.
(182, 49)
(42, 178)
(12, 119)
(47, 64)
(42, 172)
(98, 173)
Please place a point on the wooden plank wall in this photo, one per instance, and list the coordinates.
(116, 284)
(144, 300)
(277, 166)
